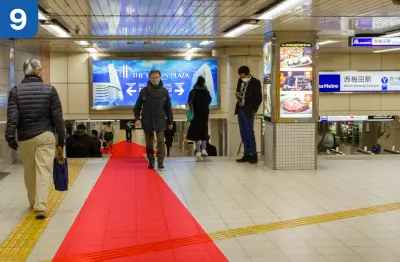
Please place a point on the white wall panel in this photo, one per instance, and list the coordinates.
(58, 68)
(78, 68)
(62, 90)
(365, 62)
(333, 62)
(78, 98)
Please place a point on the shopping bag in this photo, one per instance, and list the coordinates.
(189, 115)
(60, 171)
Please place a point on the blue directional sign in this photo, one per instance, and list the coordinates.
(19, 18)
(374, 41)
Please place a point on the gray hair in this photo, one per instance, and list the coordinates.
(31, 66)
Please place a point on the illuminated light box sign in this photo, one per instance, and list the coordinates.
(117, 83)
(295, 80)
(374, 41)
(355, 118)
(359, 81)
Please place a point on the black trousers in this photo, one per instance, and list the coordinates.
(128, 134)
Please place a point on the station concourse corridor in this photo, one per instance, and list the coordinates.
(213, 210)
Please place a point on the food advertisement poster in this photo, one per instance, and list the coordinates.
(267, 101)
(295, 80)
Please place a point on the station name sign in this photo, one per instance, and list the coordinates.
(359, 81)
(356, 118)
(374, 41)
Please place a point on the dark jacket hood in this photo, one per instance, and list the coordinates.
(80, 132)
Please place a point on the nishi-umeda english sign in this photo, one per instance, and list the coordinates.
(359, 81)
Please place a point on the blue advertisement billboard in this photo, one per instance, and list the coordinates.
(117, 83)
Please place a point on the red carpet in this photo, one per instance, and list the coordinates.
(132, 215)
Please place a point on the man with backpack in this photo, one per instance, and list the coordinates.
(154, 106)
(80, 144)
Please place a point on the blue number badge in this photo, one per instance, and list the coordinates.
(19, 18)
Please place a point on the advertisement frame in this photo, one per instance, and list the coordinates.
(357, 92)
(103, 58)
(278, 90)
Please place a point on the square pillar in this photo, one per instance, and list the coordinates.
(290, 101)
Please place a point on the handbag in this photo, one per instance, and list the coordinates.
(60, 171)
(189, 109)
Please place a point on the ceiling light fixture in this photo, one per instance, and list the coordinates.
(193, 50)
(42, 16)
(391, 34)
(241, 28)
(205, 43)
(386, 50)
(328, 42)
(56, 29)
(279, 8)
(82, 43)
(91, 50)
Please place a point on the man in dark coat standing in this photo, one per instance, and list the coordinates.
(154, 105)
(249, 96)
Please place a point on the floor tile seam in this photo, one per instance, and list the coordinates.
(234, 233)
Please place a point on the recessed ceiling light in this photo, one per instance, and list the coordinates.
(391, 34)
(205, 43)
(193, 50)
(328, 42)
(82, 43)
(42, 16)
(276, 10)
(386, 50)
(91, 50)
(241, 30)
(56, 30)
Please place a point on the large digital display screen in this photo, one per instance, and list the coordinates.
(117, 83)
(296, 80)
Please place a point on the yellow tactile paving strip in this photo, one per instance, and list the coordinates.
(23, 238)
(239, 232)
(303, 221)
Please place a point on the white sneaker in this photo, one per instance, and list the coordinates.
(198, 154)
(204, 153)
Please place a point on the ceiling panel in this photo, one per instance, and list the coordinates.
(173, 18)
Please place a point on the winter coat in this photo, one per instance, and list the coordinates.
(34, 107)
(154, 107)
(200, 100)
(80, 145)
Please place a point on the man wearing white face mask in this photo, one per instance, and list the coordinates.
(249, 96)
(154, 107)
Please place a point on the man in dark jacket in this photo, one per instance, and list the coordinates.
(249, 96)
(154, 105)
(80, 144)
(34, 111)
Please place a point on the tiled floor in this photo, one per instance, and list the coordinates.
(224, 195)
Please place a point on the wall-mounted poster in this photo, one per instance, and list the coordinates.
(295, 80)
(117, 83)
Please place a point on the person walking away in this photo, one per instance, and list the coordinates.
(154, 107)
(199, 101)
(34, 111)
(169, 138)
(128, 134)
(108, 136)
(249, 98)
(80, 144)
(97, 144)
